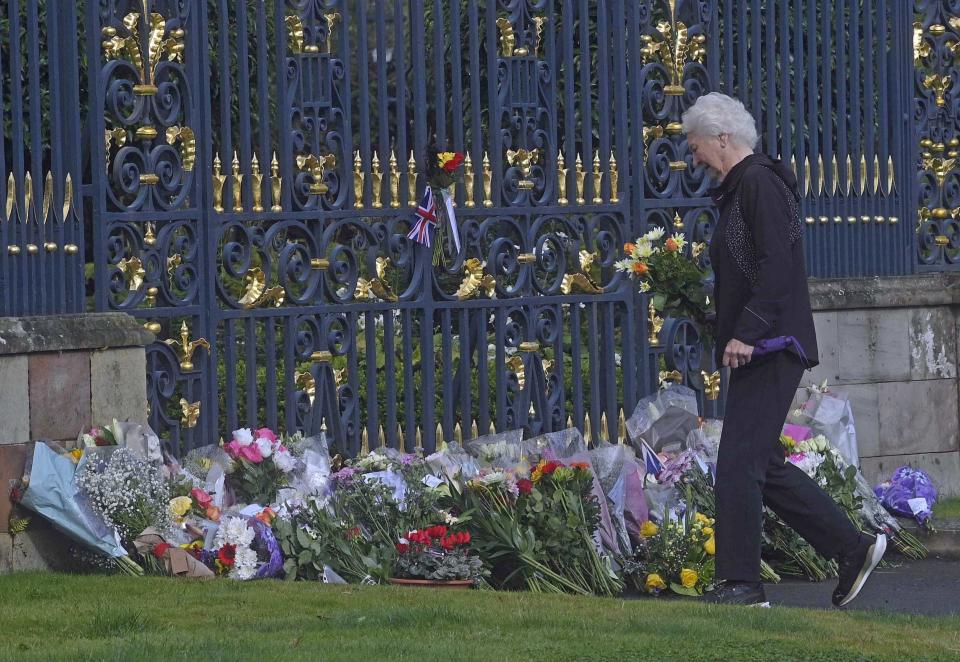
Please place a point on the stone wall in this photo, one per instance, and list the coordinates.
(59, 375)
(891, 344)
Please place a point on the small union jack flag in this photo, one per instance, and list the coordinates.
(426, 216)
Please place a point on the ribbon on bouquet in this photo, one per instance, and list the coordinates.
(452, 216)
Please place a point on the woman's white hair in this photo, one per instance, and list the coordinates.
(715, 114)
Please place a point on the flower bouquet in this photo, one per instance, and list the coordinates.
(443, 171)
(677, 555)
(261, 465)
(438, 556)
(672, 275)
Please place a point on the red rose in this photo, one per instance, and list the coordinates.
(453, 163)
(550, 467)
(402, 547)
(525, 485)
(160, 549)
(227, 554)
(353, 533)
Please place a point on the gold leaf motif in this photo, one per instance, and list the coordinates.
(47, 197)
(711, 384)
(582, 279)
(306, 383)
(508, 39)
(188, 145)
(671, 376)
(133, 272)
(190, 413)
(67, 196)
(475, 280)
(295, 31)
(11, 195)
(257, 295)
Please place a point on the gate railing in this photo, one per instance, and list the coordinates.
(249, 171)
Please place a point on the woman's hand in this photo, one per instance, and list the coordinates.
(737, 354)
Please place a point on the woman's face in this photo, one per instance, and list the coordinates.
(708, 150)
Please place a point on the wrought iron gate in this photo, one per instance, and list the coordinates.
(250, 171)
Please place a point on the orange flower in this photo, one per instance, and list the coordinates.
(671, 244)
(641, 268)
(583, 466)
(266, 516)
(213, 514)
(628, 248)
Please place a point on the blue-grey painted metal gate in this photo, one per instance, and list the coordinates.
(250, 171)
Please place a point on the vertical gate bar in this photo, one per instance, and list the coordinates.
(284, 137)
(775, 98)
(788, 134)
(612, 396)
(245, 138)
(363, 97)
(594, 363)
(729, 61)
(456, 79)
(230, 369)
(225, 130)
(55, 273)
(16, 123)
(438, 72)
(370, 352)
(856, 98)
(446, 372)
(399, 58)
(881, 249)
(250, 367)
(742, 66)
(466, 370)
(905, 143)
(290, 363)
(390, 375)
(569, 92)
(417, 59)
(270, 400)
(577, 369)
(483, 370)
(840, 200)
(384, 142)
(263, 107)
(586, 86)
(499, 360)
(603, 92)
(476, 127)
(493, 115)
(756, 72)
(353, 441)
(408, 381)
(838, 246)
(38, 274)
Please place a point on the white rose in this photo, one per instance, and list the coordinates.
(243, 436)
(265, 446)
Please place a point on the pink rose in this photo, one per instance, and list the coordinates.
(233, 448)
(266, 433)
(251, 454)
(203, 499)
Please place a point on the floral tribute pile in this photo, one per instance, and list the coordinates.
(546, 514)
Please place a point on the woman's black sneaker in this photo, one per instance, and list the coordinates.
(738, 593)
(856, 567)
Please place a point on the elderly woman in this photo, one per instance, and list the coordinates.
(762, 301)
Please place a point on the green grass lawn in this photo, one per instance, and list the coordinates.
(49, 616)
(946, 509)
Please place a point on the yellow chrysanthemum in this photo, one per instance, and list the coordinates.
(648, 529)
(688, 578)
(655, 582)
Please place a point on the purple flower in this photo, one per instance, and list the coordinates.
(267, 542)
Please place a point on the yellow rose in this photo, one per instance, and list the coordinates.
(76, 453)
(655, 582)
(648, 530)
(180, 506)
(710, 546)
(689, 578)
(708, 530)
(700, 517)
